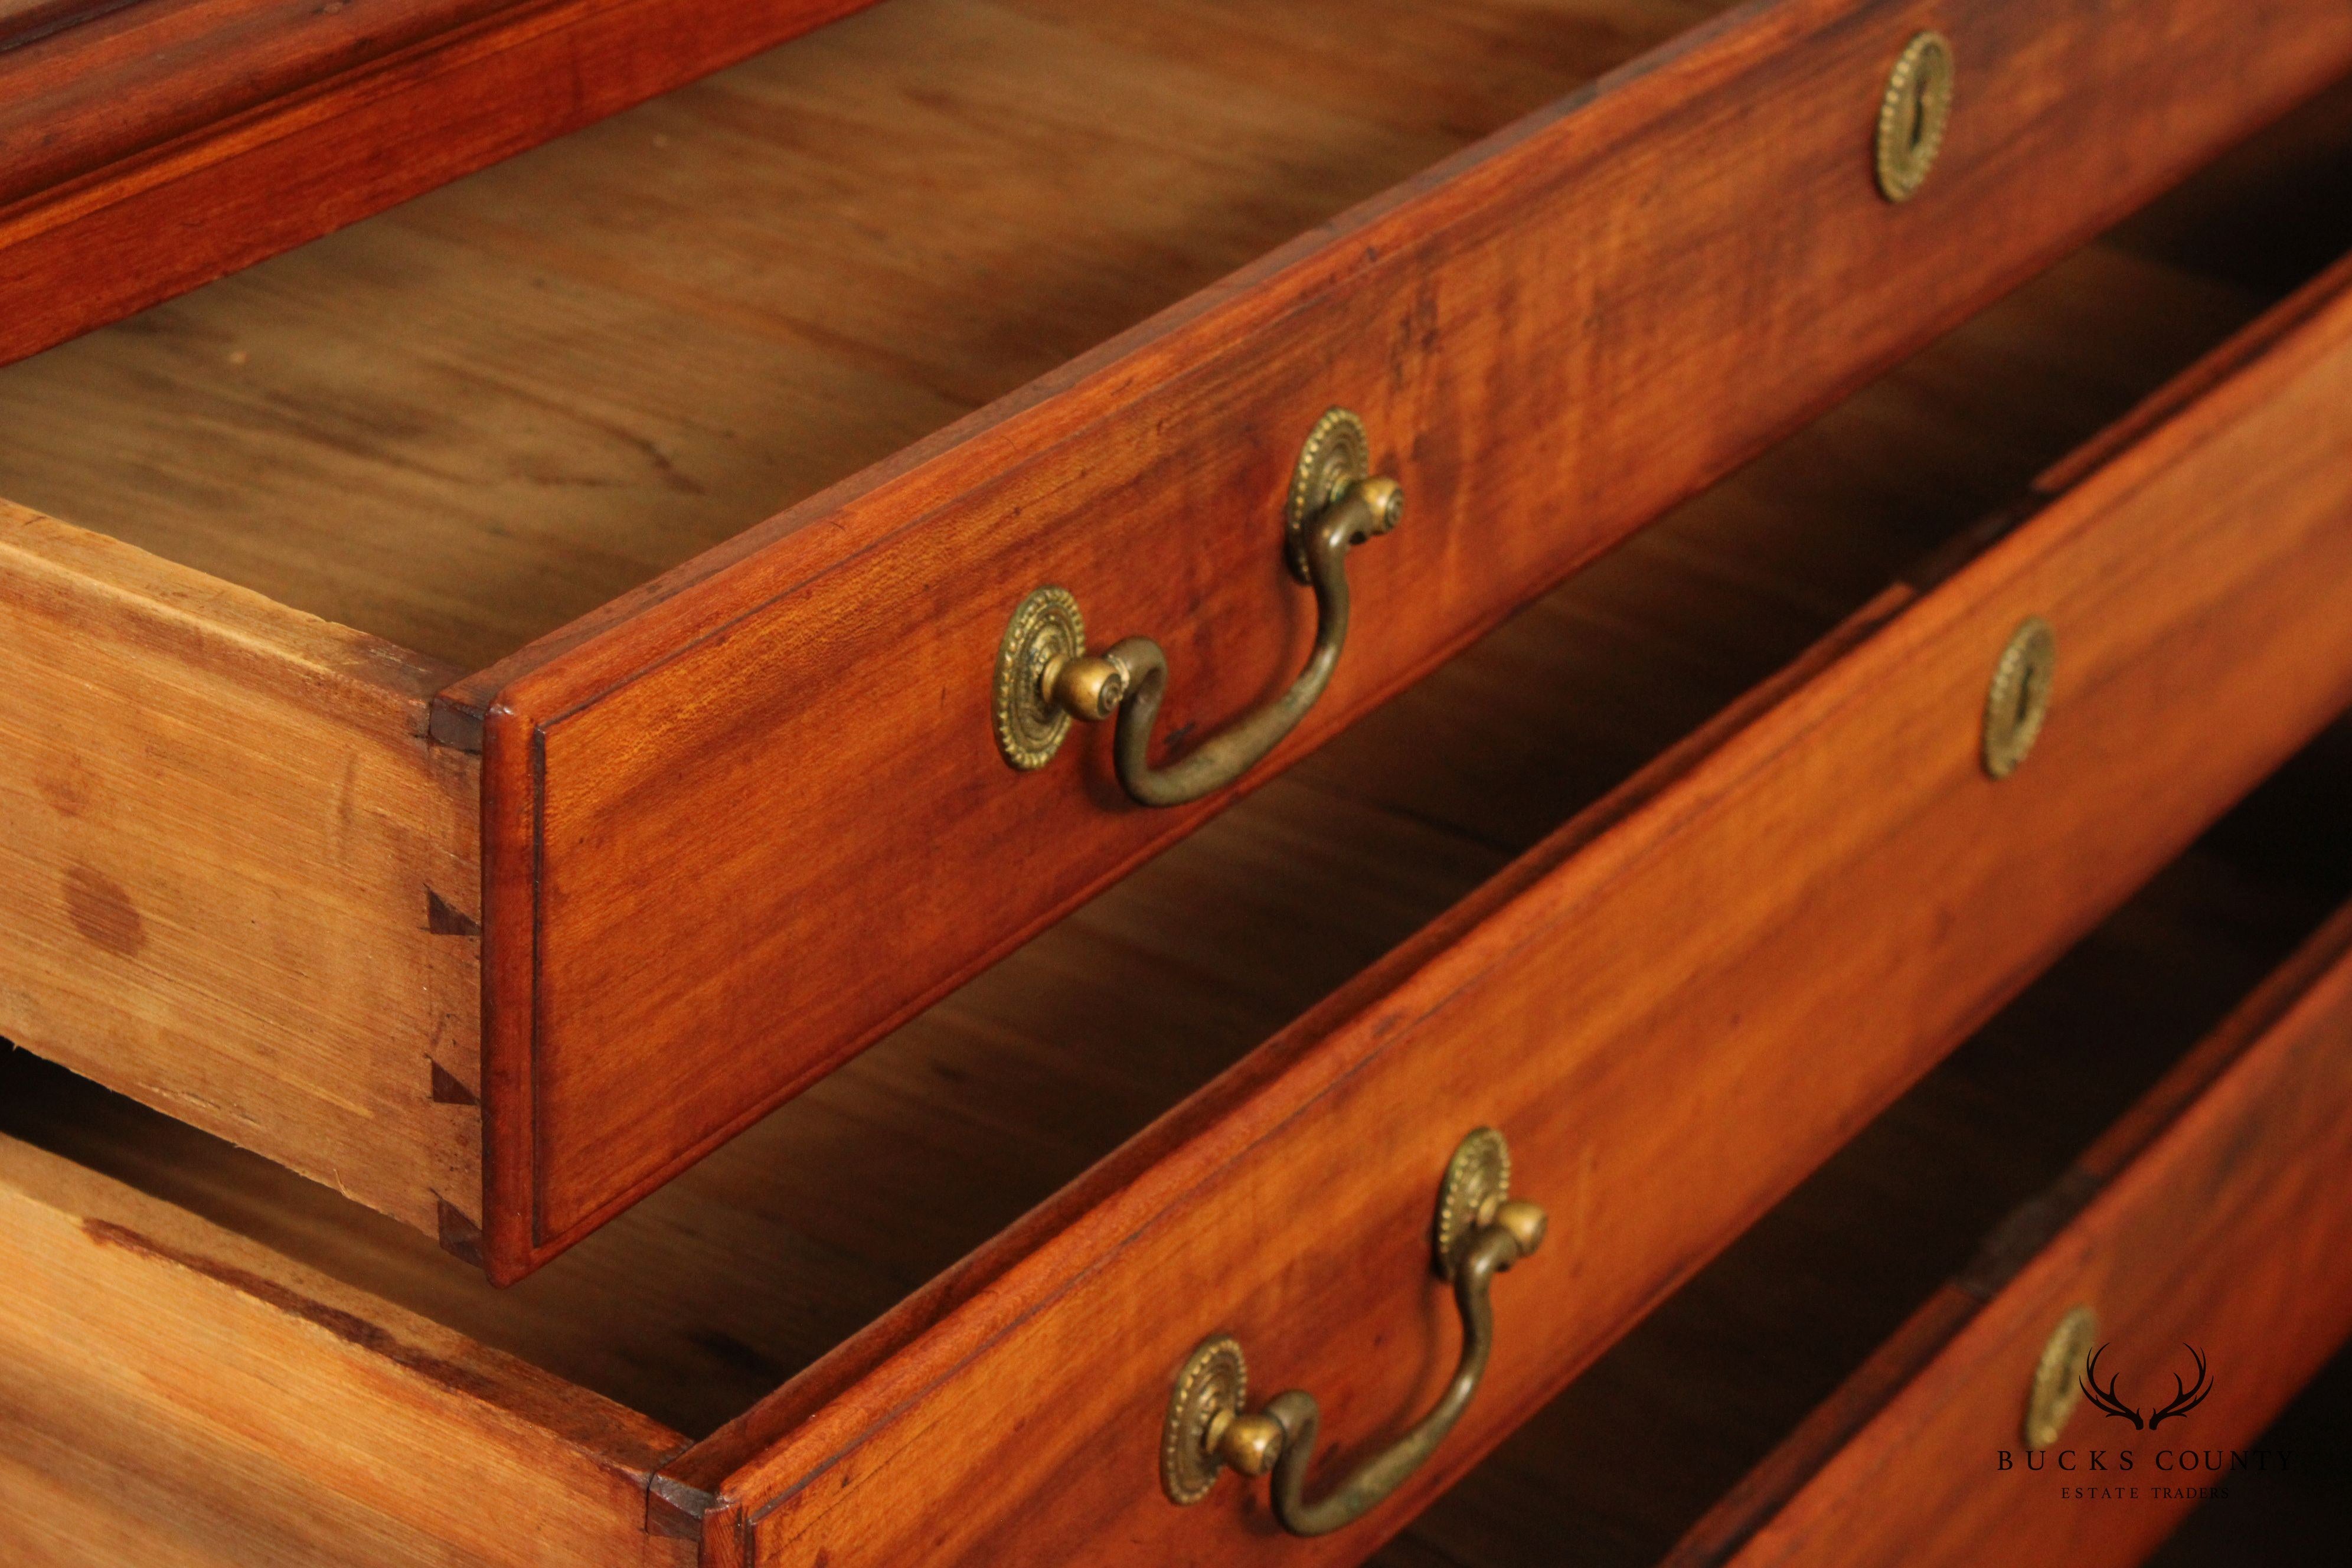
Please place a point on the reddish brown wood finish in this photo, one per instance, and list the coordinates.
(2221, 1219)
(1675, 1009)
(183, 139)
(740, 822)
(22, 21)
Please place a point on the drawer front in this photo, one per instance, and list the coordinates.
(2227, 1235)
(1673, 1010)
(739, 824)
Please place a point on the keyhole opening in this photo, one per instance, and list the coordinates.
(1918, 117)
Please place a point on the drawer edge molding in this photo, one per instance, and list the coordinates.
(676, 785)
(181, 142)
(1641, 1004)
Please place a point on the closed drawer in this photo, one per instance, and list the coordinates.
(498, 954)
(2151, 1131)
(2197, 1250)
(880, 1326)
(1674, 1009)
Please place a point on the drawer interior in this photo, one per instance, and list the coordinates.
(743, 1273)
(1638, 1448)
(464, 422)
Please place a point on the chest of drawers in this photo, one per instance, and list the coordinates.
(912, 1123)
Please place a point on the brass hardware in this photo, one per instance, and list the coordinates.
(2051, 1398)
(1046, 630)
(1913, 115)
(1335, 458)
(2018, 701)
(1477, 1181)
(1045, 678)
(1480, 1230)
(1209, 1396)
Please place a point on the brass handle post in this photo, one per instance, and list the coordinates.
(1045, 678)
(1207, 1430)
(1130, 677)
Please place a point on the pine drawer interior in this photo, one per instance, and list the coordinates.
(790, 1240)
(468, 421)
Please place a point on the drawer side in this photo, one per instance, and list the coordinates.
(175, 1395)
(236, 880)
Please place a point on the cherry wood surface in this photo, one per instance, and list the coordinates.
(152, 145)
(672, 947)
(2292, 1519)
(827, 1213)
(1642, 1206)
(2230, 1231)
(661, 1279)
(374, 1096)
(1730, 1396)
(468, 421)
(453, 417)
(1609, 1472)
(1642, 1004)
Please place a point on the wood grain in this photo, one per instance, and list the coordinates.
(23, 20)
(221, 825)
(408, 430)
(462, 423)
(1673, 1024)
(1905, 1199)
(748, 1268)
(181, 1396)
(649, 916)
(180, 139)
(1728, 1396)
(2220, 1220)
(945, 1134)
(1494, 751)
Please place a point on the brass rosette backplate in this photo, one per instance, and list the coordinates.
(2054, 1392)
(1477, 1181)
(1912, 116)
(1045, 629)
(1338, 455)
(1214, 1386)
(2017, 700)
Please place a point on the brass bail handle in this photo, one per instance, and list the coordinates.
(1045, 678)
(1481, 1232)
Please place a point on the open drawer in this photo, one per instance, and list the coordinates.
(935, 1308)
(2171, 1125)
(727, 799)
